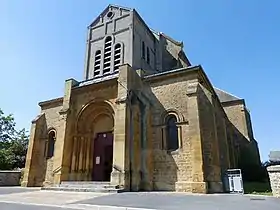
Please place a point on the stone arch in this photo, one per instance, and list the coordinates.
(51, 129)
(171, 138)
(180, 118)
(50, 144)
(95, 112)
(93, 136)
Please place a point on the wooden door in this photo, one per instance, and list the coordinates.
(103, 157)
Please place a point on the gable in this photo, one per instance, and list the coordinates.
(109, 13)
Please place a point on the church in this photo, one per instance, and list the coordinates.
(143, 118)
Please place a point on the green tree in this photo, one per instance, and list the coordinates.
(13, 143)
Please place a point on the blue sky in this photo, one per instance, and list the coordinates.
(42, 43)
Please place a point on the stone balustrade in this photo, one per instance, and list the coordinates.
(10, 178)
(274, 176)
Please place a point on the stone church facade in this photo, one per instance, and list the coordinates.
(143, 118)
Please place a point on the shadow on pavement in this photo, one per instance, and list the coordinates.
(11, 190)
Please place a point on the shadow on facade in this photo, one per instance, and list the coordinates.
(164, 169)
(39, 164)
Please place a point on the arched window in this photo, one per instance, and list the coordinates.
(97, 63)
(51, 143)
(143, 50)
(117, 56)
(172, 139)
(107, 55)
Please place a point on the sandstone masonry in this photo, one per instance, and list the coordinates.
(143, 118)
(10, 178)
(274, 176)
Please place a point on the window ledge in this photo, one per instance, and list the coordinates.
(173, 152)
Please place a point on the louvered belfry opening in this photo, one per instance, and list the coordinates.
(97, 63)
(117, 57)
(109, 59)
(107, 55)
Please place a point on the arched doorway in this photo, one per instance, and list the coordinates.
(95, 126)
(102, 148)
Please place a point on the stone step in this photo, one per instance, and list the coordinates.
(83, 189)
(75, 184)
(85, 186)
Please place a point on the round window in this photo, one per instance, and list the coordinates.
(110, 14)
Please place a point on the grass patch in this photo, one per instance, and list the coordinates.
(257, 188)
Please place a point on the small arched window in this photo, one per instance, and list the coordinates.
(51, 143)
(97, 63)
(107, 55)
(117, 56)
(172, 139)
(143, 50)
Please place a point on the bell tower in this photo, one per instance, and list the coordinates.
(109, 42)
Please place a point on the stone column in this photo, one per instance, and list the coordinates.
(274, 176)
(74, 158)
(91, 155)
(80, 170)
(88, 160)
(78, 146)
(84, 151)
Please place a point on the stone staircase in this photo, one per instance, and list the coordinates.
(85, 186)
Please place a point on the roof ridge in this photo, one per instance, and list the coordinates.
(106, 8)
(171, 39)
(116, 5)
(228, 93)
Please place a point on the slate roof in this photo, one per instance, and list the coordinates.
(225, 96)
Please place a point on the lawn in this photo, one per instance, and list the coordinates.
(258, 188)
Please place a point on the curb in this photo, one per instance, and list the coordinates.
(77, 206)
(104, 207)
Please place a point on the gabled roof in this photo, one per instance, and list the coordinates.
(158, 34)
(107, 9)
(225, 96)
(171, 39)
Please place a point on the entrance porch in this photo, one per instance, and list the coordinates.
(92, 158)
(92, 146)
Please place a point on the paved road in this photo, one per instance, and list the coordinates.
(34, 199)
(10, 190)
(13, 206)
(175, 201)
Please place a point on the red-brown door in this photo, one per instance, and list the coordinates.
(103, 157)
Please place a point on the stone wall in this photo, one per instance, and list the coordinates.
(172, 171)
(10, 178)
(274, 176)
(34, 166)
(211, 139)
